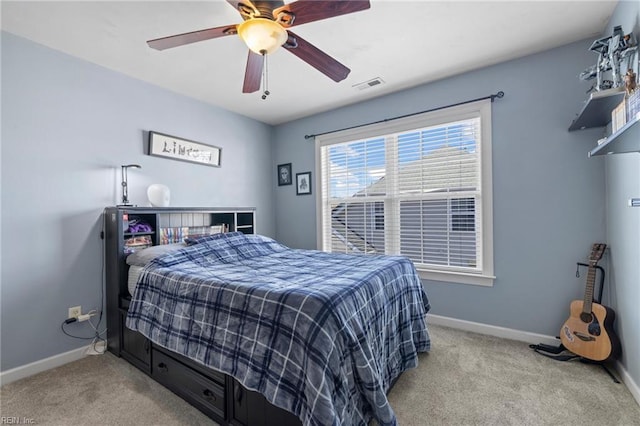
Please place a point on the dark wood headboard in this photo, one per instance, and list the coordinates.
(163, 222)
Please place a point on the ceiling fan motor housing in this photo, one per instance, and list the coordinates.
(264, 9)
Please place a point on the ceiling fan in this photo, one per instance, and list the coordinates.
(265, 29)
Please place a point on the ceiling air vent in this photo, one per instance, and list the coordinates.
(369, 84)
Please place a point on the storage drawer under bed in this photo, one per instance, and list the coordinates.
(200, 390)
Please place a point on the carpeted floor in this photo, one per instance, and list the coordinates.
(467, 379)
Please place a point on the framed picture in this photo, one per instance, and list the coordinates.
(176, 148)
(303, 183)
(284, 174)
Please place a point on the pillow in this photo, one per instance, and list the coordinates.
(144, 256)
(197, 239)
(132, 278)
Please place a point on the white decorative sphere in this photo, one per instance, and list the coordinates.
(159, 195)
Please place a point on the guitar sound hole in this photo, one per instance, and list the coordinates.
(594, 328)
(586, 318)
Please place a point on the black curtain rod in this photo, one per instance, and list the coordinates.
(498, 95)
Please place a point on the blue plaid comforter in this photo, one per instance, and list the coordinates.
(322, 335)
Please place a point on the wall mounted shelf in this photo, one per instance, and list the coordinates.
(627, 139)
(596, 111)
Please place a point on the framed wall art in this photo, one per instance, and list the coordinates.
(175, 148)
(303, 183)
(284, 174)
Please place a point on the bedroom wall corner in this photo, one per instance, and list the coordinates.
(622, 174)
(68, 125)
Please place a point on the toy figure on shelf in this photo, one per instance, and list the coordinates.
(630, 84)
(633, 95)
(612, 51)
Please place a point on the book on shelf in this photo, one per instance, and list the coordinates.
(134, 244)
(633, 105)
(220, 228)
(206, 230)
(173, 235)
(619, 116)
(178, 234)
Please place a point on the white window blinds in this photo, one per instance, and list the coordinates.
(415, 189)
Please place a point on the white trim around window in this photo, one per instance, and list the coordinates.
(366, 235)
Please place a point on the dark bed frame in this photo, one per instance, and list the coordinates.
(217, 395)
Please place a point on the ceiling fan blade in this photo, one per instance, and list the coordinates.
(253, 73)
(303, 11)
(192, 37)
(316, 58)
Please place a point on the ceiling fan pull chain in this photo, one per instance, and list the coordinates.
(265, 76)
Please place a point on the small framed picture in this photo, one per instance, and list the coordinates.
(303, 183)
(284, 174)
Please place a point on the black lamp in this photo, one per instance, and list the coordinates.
(125, 189)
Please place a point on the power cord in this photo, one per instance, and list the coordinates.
(97, 337)
(102, 287)
(70, 321)
(103, 283)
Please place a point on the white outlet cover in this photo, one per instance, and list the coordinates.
(74, 312)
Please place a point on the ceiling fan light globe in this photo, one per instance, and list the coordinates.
(261, 35)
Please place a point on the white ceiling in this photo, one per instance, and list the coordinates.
(406, 43)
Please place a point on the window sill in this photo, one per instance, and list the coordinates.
(457, 277)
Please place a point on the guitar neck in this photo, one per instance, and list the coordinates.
(588, 292)
(597, 250)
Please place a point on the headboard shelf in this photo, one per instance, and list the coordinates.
(136, 234)
(153, 226)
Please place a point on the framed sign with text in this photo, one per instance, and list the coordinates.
(161, 145)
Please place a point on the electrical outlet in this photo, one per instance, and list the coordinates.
(75, 312)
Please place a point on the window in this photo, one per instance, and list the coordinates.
(418, 186)
(463, 215)
(378, 216)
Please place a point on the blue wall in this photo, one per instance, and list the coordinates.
(548, 196)
(67, 126)
(551, 202)
(623, 225)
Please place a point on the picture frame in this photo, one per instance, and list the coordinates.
(303, 183)
(175, 148)
(285, 177)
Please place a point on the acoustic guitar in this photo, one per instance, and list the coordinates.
(589, 330)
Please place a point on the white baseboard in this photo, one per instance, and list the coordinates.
(492, 330)
(523, 336)
(628, 381)
(36, 367)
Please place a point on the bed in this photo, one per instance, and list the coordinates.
(321, 335)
